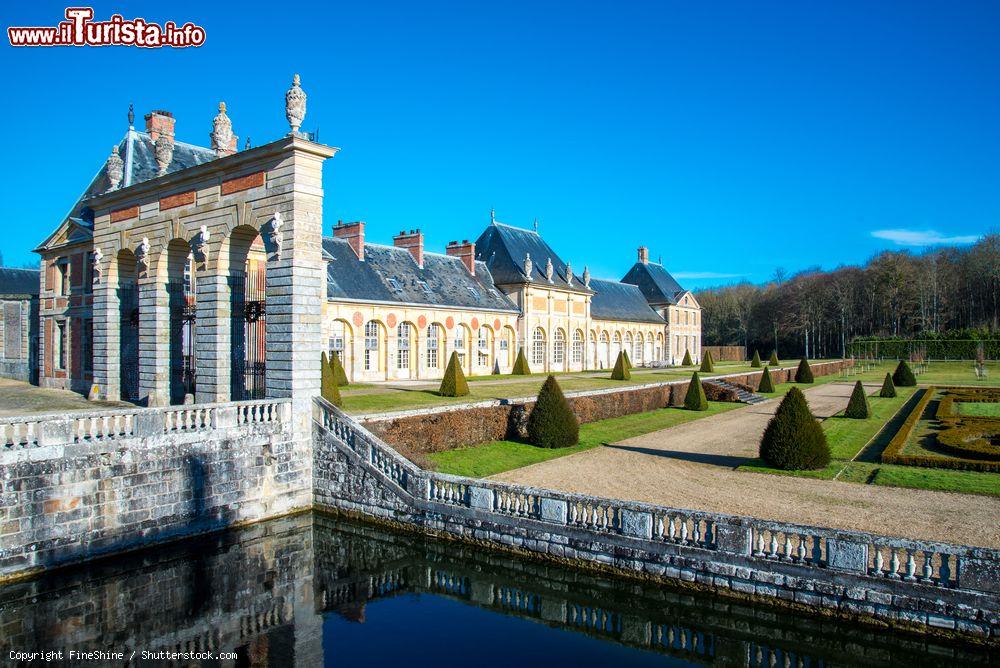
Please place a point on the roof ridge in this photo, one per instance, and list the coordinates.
(515, 227)
(177, 141)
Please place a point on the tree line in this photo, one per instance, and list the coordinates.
(895, 294)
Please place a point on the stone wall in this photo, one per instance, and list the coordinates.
(76, 487)
(19, 338)
(422, 431)
(933, 587)
(726, 353)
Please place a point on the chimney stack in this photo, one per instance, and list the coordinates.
(159, 123)
(465, 251)
(354, 234)
(412, 241)
(643, 255)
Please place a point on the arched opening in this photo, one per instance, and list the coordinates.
(435, 346)
(591, 362)
(248, 314)
(406, 362)
(616, 348)
(182, 312)
(538, 350)
(659, 347)
(484, 350)
(372, 361)
(128, 325)
(605, 351)
(640, 349)
(577, 354)
(463, 347)
(508, 345)
(341, 346)
(559, 350)
(627, 347)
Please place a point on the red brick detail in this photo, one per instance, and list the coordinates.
(50, 278)
(75, 348)
(449, 322)
(422, 321)
(50, 303)
(124, 214)
(390, 320)
(76, 269)
(173, 201)
(48, 347)
(254, 180)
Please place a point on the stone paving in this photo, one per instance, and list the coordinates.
(19, 398)
(692, 466)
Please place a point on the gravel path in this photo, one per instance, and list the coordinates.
(692, 466)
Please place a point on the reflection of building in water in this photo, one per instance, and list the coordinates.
(262, 592)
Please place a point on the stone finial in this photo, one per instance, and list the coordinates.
(527, 265)
(549, 270)
(295, 105)
(200, 242)
(273, 233)
(164, 150)
(223, 139)
(569, 273)
(115, 169)
(586, 276)
(98, 268)
(493, 216)
(534, 226)
(142, 253)
(246, 144)
(131, 116)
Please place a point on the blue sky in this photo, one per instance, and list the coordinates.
(729, 137)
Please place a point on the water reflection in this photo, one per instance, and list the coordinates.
(313, 591)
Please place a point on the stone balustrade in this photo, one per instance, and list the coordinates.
(756, 556)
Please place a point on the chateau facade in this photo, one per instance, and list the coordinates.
(193, 273)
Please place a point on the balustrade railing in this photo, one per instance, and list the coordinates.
(933, 566)
(684, 529)
(100, 427)
(188, 418)
(18, 433)
(781, 544)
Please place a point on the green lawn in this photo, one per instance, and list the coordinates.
(945, 480)
(979, 409)
(497, 456)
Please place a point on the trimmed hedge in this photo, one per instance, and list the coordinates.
(888, 390)
(687, 359)
(903, 375)
(695, 399)
(971, 439)
(794, 440)
(621, 370)
(766, 384)
(520, 365)
(858, 407)
(804, 373)
(552, 423)
(453, 384)
(328, 384)
(946, 408)
(707, 363)
(774, 358)
(755, 362)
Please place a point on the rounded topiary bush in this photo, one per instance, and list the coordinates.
(755, 362)
(766, 384)
(621, 370)
(552, 423)
(793, 439)
(520, 365)
(695, 399)
(328, 383)
(687, 359)
(453, 384)
(858, 407)
(888, 390)
(804, 374)
(707, 363)
(903, 375)
(774, 358)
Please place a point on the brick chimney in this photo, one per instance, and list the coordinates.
(159, 122)
(412, 241)
(354, 234)
(465, 251)
(643, 255)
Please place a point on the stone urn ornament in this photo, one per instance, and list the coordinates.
(98, 269)
(223, 139)
(527, 265)
(295, 105)
(586, 277)
(115, 169)
(549, 270)
(142, 253)
(274, 237)
(569, 273)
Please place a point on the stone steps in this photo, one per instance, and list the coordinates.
(743, 395)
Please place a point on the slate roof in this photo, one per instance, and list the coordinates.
(620, 301)
(391, 274)
(655, 282)
(18, 281)
(503, 247)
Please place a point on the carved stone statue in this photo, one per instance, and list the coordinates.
(569, 273)
(548, 270)
(142, 253)
(586, 276)
(273, 232)
(200, 243)
(98, 268)
(115, 169)
(295, 105)
(527, 265)
(164, 149)
(223, 139)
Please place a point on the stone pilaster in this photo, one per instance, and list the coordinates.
(212, 337)
(154, 343)
(107, 335)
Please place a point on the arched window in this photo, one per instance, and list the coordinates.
(371, 345)
(627, 345)
(433, 344)
(559, 347)
(484, 347)
(403, 346)
(538, 348)
(639, 343)
(577, 347)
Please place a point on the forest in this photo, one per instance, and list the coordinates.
(945, 292)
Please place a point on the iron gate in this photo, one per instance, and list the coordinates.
(182, 350)
(128, 332)
(248, 335)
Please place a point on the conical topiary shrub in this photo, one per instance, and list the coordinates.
(621, 370)
(328, 384)
(453, 384)
(793, 439)
(695, 399)
(766, 384)
(496, 367)
(628, 362)
(339, 375)
(687, 359)
(774, 358)
(888, 390)
(755, 362)
(520, 365)
(804, 374)
(903, 375)
(552, 423)
(707, 363)
(858, 407)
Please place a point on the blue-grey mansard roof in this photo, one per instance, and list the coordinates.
(503, 249)
(620, 301)
(655, 282)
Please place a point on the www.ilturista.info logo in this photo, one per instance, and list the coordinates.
(79, 29)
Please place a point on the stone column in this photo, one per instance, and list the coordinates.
(154, 342)
(212, 336)
(107, 352)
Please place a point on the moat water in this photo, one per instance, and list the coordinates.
(317, 591)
